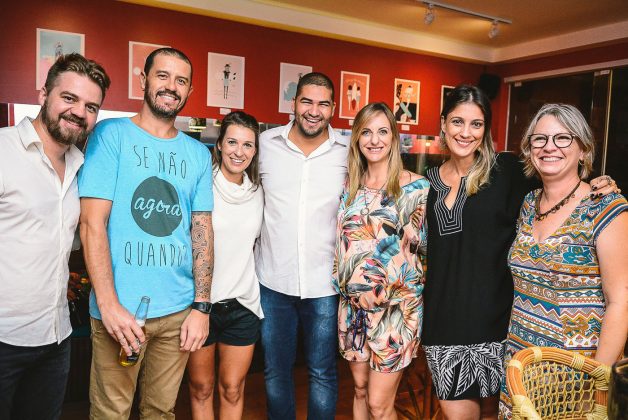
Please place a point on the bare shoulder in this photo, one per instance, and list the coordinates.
(408, 177)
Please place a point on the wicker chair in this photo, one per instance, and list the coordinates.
(551, 383)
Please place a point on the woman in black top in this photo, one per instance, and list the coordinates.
(472, 209)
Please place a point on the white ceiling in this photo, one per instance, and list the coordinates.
(538, 27)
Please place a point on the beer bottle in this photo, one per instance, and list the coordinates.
(140, 318)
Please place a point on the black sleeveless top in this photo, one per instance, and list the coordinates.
(468, 291)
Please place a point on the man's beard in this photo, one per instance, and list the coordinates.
(298, 119)
(162, 111)
(62, 135)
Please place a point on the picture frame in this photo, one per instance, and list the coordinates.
(289, 75)
(50, 45)
(354, 93)
(444, 91)
(225, 80)
(406, 95)
(138, 52)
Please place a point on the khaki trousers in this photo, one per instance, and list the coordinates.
(159, 370)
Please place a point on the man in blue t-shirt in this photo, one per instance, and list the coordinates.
(146, 201)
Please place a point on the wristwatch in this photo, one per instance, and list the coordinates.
(204, 307)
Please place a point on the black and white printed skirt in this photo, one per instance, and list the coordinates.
(466, 371)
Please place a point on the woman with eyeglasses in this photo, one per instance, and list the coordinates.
(378, 272)
(235, 315)
(569, 260)
(472, 209)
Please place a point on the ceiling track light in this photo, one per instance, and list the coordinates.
(429, 14)
(494, 30)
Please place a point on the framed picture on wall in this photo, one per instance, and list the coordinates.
(52, 44)
(444, 91)
(138, 52)
(406, 101)
(354, 93)
(289, 75)
(225, 81)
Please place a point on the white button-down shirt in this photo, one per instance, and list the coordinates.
(301, 198)
(38, 217)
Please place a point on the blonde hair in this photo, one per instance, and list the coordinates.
(357, 162)
(572, 119)
(480, 171)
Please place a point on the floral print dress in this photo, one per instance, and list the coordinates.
(379, 275)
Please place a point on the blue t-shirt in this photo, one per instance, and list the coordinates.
(154, 185)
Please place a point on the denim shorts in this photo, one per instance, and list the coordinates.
(232, 324)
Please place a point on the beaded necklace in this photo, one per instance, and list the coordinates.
(537, 204)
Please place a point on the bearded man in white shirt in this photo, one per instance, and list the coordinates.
(39, 211)
(303, 166)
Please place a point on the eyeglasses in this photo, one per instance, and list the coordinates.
(561, 140)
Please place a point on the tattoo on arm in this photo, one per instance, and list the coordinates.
(202, 253)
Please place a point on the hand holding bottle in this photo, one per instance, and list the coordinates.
(121, 325)
(128, 356)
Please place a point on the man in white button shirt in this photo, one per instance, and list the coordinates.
(39, 211)
(303, 166)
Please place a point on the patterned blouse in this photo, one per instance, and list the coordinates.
(380, 284)
(558, 299)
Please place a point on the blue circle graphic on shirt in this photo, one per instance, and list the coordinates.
(155, 207)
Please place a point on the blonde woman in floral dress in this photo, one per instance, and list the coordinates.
(378, 272)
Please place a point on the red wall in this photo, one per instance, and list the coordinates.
(109, 26)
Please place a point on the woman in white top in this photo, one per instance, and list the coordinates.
(236, 313)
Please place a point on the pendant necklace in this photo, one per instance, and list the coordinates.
(365, 211)
(540, 216)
